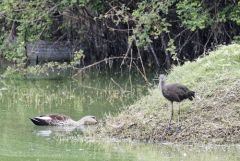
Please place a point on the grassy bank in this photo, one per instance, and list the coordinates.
(212, 117)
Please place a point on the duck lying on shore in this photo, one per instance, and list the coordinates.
(62, 120)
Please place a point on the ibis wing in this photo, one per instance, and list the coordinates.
(178, 92)
(184, 92)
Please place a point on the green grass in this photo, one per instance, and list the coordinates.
(213, 116)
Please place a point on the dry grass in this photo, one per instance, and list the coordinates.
(213, 116)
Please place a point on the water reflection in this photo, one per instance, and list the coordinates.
(57, 131)
(75, 98)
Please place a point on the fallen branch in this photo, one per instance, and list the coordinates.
(99, 62)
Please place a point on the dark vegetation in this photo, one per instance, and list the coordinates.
(143, 33)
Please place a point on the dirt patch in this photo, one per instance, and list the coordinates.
(213, 117)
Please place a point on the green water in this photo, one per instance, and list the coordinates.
(20, 140)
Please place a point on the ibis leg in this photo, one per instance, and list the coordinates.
(178, 113)
(171, 114)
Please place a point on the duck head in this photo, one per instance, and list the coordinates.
(88, 120)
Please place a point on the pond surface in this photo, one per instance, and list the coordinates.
(95, 95)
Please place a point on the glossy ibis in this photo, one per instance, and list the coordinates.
(175, 93)
(62, 120)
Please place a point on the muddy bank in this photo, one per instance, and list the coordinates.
(215, 120)
(212, 117)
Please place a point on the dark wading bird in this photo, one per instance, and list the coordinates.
(62, 120)
(175, 93)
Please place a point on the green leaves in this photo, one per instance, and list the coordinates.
(73, 2)
(78, 56)
(235, 14)
(29, 21)
(192, 14)
(150, 23)
(171, 48)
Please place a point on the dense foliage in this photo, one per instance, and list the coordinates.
(152, 31)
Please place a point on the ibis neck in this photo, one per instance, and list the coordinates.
(161, 84)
